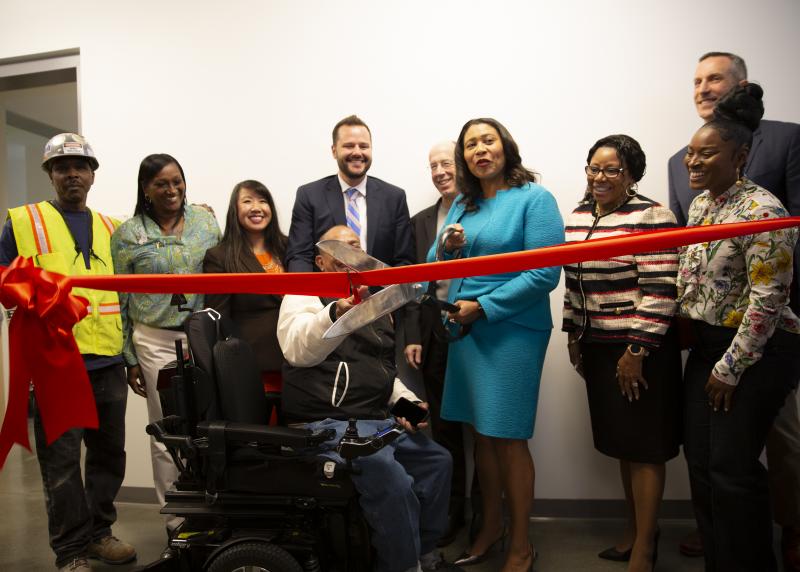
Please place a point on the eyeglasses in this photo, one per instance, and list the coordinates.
(609, 172)
(443, 164)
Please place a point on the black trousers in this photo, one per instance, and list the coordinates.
(81, 510)
(448, 434)
(730, 492)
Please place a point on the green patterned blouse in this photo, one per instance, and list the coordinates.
(138, 247)
(740, 282)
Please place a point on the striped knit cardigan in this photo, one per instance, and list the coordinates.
(625, 299)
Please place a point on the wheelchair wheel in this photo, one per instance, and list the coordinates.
(254, 557)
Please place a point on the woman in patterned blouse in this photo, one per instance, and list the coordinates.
(164, 236)
(253, 242)
(618, 313)
(746, 355)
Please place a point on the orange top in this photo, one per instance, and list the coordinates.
(268, 264)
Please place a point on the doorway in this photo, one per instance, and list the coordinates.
(38, 99)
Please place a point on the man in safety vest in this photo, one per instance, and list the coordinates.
(63, 235)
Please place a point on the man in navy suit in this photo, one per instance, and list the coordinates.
(374, 209)
(773, 163)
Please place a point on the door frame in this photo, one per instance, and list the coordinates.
(32, 70)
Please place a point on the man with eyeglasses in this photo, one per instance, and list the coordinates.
(773, 163)
(423, 350)
(64, 236)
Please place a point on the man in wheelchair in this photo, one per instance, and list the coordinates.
(405, 486)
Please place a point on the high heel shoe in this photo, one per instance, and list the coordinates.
(616, 555)
(467, 559)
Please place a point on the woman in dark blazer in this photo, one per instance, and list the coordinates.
(253, 242)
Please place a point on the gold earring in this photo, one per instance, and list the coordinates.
(739, 179)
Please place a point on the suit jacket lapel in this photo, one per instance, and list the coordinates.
(458, 211)
(251, 262)
(335, 199)
(758, 139)
(374, 213)
(430, 223)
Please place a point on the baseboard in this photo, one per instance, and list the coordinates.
(542, 508)
(597, 508)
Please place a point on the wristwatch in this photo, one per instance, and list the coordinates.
(637, 350)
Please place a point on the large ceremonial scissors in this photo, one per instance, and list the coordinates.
(382, 302)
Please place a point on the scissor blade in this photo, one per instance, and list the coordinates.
(352, 257)
(387, 300)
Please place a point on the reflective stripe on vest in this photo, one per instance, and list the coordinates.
(42, 233)
(107, 222)
(39, 229)
(106, 309)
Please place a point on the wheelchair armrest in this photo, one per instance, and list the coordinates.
(270, 435)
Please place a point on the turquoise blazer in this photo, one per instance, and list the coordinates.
(520, 218)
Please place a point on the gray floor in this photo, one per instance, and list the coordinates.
(563, 544)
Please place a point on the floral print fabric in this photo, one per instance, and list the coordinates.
(138, 247)
(740, 282)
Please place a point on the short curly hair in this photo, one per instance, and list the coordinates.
(629, 152)
(630, 155)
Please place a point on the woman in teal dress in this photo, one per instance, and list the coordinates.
(492, 379)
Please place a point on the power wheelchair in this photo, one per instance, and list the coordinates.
(252, 496)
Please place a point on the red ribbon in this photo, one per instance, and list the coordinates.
(43, 350)
(41, 341)
(569, 253)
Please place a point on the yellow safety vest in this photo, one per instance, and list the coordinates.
(41, 233)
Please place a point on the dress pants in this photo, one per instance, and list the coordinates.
(729, 485)
(81, 510)
(404, 491)
(783, 458)
(449, 434)
(155, 348)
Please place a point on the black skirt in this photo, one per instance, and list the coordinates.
(647, 430)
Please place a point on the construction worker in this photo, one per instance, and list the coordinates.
(63, 235)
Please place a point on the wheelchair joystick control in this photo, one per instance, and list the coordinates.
(352, 445)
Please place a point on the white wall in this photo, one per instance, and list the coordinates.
(251, 89)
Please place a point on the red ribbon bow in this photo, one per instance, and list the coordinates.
(42, 349)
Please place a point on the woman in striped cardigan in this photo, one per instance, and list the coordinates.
(618, 313)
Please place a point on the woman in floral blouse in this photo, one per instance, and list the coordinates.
(745, 358)
(164, 236)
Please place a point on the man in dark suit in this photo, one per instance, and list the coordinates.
(773, 163)
(423, 351)
(375, 210)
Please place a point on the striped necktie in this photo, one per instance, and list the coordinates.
(353, 219)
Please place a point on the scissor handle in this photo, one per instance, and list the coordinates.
(353, 290)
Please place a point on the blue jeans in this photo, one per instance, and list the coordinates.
(80, 511)
(404, 492)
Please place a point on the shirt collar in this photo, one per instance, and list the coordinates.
(732, 191)
(361, 187)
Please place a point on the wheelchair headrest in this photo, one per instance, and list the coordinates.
(227, 380)
(203, 330)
